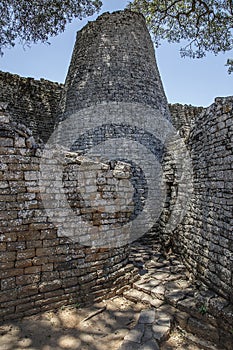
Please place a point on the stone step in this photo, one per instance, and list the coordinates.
(140, 296)
(165, 281)
(153, 327)
(146, 286)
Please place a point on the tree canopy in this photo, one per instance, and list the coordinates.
(207, 25)
(203, 25)
(30, 21)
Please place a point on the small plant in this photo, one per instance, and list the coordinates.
(203, 309)
(77, 305)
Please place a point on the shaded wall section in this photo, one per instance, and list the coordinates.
(35, 103)
(204, 239)
(38, 269)
(41, 269)
(31, 102)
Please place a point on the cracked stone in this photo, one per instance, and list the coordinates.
(135, 334)
(148, 286)
(187, 304)
(133, 295)
(184, 284)
(174, 296)
(148, 334)
(174, 277)
(160, 275)
(149, 345)
(178, 269)
(155, 264)
(155, 302)
(167, 311)
(128, 345)
(158, 292)
(147, 316)
(161, 330)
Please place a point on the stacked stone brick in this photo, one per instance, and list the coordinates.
(204, 239)
(40, 271)
(183, 117)
(31, 102)
(113, 60)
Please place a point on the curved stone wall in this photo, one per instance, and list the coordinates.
(183, 117)
(38, 269)
(41, 268)
(113, 64)
(204, 239)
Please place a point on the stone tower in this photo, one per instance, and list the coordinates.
(114, 109)
(113, 60)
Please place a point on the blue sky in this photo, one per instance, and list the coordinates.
(195, 82)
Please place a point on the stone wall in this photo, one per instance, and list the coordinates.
(31, 102)
(204, 238)
(183, 117)
(37, 104)
(43, 269)
(40, 270)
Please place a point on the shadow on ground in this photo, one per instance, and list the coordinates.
(68, 329)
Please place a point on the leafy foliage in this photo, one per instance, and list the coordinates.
(33, 21)
(207, 25)
(230, 65)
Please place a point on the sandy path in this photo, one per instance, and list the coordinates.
(65, 329)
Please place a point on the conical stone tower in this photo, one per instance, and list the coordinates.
(113, 60)
(113, 123)
(114, 109)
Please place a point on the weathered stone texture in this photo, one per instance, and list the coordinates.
(183, 117)
(39, 270)
(113, 60)
(204, 238)
(107, 100)
(31, 102)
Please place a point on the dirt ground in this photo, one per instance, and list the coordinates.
(99, 327)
